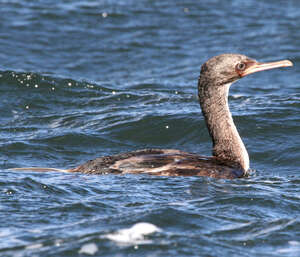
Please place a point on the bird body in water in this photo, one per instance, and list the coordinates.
(230, 158)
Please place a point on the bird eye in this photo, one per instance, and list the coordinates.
(241, 66)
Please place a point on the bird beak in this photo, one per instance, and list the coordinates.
(261, 66)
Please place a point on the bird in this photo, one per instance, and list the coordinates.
(229, 158)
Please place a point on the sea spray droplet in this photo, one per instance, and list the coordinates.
(58, 242)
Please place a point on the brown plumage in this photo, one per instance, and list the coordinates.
(230, 158)
(164, 162)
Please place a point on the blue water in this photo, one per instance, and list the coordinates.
(83, 79)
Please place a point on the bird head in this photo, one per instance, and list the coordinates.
(227, 68)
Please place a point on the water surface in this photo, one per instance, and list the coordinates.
(83, 79)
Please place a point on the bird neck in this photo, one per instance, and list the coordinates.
(227, 143)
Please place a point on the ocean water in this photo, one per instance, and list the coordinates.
(83, 79)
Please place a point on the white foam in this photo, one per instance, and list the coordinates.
(294, 247)
(34, 246)
(294, 243)
(236, 96)
(89, 249)
(134, 235)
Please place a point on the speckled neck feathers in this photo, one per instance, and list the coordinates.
(213, 97)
